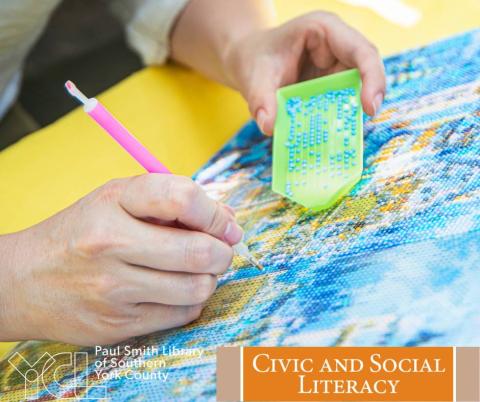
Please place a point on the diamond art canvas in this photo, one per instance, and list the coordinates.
(396, 262)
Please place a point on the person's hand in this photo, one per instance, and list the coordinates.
(313, 45)
(135, 256)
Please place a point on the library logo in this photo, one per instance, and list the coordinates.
(41, 377)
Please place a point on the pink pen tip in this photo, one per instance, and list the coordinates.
(75, 92)
(70, 85)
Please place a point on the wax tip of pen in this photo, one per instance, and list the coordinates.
(70, 85)
(258, 265)
(75, 92)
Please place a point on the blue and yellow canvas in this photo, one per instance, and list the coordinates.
(396, 262)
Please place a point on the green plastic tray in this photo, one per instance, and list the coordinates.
(318, 140)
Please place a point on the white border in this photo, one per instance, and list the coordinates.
(241, 373)
(454, 374)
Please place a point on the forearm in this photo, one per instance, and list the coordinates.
(9, 252)
(23, 257)
(207, 30)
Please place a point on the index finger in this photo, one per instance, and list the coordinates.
(353, 50)
(179, 199)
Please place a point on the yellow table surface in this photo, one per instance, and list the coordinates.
(182, 117)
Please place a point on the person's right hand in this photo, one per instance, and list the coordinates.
(135, 256)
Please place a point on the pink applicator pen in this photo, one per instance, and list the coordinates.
(142, 155)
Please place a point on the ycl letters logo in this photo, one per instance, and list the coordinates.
(37, 383)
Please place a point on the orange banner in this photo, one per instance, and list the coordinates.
(347, 374)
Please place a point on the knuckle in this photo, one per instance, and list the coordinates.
(368, 51)
(97, 230)
(109, 192)
(216, 222)
(142, 315)
(121, 322)
(171, 191)
(109, 330)
(98, 240)
(182, 193)
(317, 22)
(116, 323)
(103, 285)
(201, 287)
(199, 254)
(371, 49)
(154, 186)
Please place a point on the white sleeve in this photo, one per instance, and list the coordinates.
(148, 25)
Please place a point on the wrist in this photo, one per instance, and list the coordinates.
(237, 62)
(237, 48)
(8, 253)
(17, 319)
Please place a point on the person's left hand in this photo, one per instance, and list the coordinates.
(310, 46)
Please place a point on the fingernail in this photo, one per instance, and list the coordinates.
(261, 119)
(377, 103)
(233, 233)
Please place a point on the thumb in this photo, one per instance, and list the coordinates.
(265, 121)
(263, 104)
